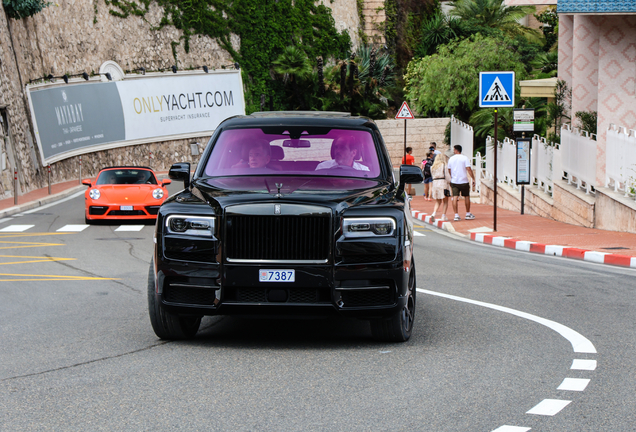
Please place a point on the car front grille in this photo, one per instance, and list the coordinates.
(97, 210)
(292, 295)
(280, 237)
(127, 213)
(152, 210)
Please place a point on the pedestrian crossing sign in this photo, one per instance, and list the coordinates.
(497, 89)
(405, 112)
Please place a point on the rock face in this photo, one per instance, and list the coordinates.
(75, 36)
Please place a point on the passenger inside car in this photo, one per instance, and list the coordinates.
(257, 155)
(344, 154)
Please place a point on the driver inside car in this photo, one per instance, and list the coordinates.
(344, 155)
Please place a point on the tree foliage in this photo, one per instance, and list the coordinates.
(448, 82)
(494, 14)
(265, 30)
(18, 9)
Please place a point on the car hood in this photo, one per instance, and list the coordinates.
(329, 191)
(130, 193)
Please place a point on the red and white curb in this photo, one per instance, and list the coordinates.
(424, 217)
(527, 246)
(561, 251)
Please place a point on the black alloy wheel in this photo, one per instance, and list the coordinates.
(166, 324)
(399, 327)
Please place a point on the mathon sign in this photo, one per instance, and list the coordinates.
(73, 119)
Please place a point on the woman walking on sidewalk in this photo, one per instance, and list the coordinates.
(440, 190)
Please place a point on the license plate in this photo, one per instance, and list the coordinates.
(126, 208)
(265, 275)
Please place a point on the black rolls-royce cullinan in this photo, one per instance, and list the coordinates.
(287, 214)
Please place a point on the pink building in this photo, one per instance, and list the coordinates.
(597, 58)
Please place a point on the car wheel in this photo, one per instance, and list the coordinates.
(398, 328)
(87, 221)
(166, 324)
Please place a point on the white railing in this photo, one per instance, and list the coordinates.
(479, 169)
(545, 165)
(506, 161)
(462, 134)
(620, 159)
(578, 152)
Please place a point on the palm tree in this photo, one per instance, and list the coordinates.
(494, 14)
(293, 65)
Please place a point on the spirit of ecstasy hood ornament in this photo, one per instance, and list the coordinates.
(278, 194)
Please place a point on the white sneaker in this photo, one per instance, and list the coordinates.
(444, 218)
(457, 218)
(470, 216)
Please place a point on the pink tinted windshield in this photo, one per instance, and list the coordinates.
(339, 152)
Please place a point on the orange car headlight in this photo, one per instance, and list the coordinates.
(94, 194)
(157, 193)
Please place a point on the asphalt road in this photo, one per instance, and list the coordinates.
(77, 352)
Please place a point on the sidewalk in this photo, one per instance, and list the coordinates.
(534, 233)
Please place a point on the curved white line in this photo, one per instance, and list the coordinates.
(580, 344)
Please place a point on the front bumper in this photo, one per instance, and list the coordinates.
(363, 291)
(113, 211)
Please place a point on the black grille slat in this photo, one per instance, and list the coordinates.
(367, 298)
(186, 295)
(277, 237)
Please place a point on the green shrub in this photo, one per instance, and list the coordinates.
(18, 9)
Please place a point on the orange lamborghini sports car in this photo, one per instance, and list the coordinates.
(124, 193)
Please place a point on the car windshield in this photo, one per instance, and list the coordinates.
(126, 176)
(299, 151)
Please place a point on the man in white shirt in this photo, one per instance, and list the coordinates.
(459, 169)
(344, 155)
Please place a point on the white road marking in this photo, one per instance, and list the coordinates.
(7, 219)
(574, 384)
(16, 228)
(130, 228)
(579, 364)
(549, 407)
(73, 228)
(580, 343)
(418, 234)
(506, 428)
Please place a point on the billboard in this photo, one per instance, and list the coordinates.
(73, 119)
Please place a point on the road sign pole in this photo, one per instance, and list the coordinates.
(404, 141)
(494, 221)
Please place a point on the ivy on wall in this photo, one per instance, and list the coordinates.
(265, 28)
(18, 9)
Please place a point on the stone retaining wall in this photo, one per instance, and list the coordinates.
(419, 134)
(75, 36)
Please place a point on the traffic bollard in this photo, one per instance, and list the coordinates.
(15, 186)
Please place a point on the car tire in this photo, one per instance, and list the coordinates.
(166, 324)
(399, 327)
(87, 221)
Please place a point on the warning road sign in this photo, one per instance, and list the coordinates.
(497, 89)
(405, 112)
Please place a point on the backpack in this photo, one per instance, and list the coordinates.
(427, 168)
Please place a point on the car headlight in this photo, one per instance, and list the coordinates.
(368, 227)
(94, 194)
(201, 226)
(157, 193)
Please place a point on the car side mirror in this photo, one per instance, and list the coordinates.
(410, 174)
(180, 172)
(165, 182)
(87, 183)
